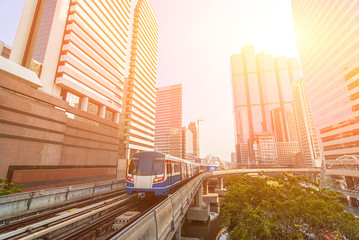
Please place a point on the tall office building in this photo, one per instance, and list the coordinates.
(263, 101)
(233, 159)
(327, 38)
(168, 127)
(308, 137)
(100, 57)
(138, 116)
(265, 149)
(187, 144)
(192, 126)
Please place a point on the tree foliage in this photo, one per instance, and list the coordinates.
(6, 187)
(285, 207)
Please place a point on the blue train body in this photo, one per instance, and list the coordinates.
(211, 168)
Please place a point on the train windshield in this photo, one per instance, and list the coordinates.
(146, 166)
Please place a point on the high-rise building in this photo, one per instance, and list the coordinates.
(192, 126)
(100, 57)
(263, 102)
(265, 150)
(289, 154)
(5, 50)
(308, 137)
(187, 144)
(327, 38)
(138, 118)
(233, 159)
(168, 127)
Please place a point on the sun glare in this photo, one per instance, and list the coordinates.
(269, 28)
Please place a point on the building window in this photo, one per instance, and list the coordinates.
(109, 115)
(93, 108)
(73, 100)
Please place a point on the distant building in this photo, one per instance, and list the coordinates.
(187, 144)
(272, 119)
(262, 101)
(233, 158)
(308, 137)
(194, 129)
(289, 154)
(327, 38)
(168, 123)
(5, 50)
(265, 150)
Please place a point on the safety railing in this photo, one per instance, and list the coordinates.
(162, 221)
(27, 202)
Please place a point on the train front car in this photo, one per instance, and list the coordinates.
(146, 174)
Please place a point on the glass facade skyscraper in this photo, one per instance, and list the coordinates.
(327, 37)
(263, 102)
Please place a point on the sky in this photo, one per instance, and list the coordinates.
(196, 41)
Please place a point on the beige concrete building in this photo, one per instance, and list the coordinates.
(5, 50)
(138, 118)
(101, 58)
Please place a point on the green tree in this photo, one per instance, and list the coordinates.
(285, 207)
(7, 187)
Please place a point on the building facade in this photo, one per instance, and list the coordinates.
(265, 150)
(5, 50)
(187, 144)
(233, 158)
(308, 138)
(168, 127)
(264, 111)
(327, 38)
(137, 127)
(100, 57)
(192, 126)
(290, 154)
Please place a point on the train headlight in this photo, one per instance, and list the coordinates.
(158, 179)
(130, 179)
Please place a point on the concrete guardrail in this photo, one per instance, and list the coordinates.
(27, 202)
(163, 220)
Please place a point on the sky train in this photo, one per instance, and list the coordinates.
(155, 173)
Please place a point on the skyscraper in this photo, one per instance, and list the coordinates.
(192, 126)
(308, 137)
(168, 127)
(327, 38)
(100, 57)
(263, 102)
(137, 130)
(187, 144)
